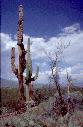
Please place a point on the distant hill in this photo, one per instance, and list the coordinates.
(12, 83)
(8, 83)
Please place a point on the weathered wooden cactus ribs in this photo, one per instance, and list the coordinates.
(22, 62)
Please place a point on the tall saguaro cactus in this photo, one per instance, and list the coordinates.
(22, 62)
(29, 77)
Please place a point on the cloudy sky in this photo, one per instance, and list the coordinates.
(47, 22)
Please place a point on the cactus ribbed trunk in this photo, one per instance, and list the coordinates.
(22, 62)
(29, 78)
(27, 93)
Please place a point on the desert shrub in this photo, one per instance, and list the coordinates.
(9, 97)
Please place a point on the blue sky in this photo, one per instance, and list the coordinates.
(46, 22)
(42, 17)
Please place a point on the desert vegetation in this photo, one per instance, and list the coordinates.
(10, 95)
(48, 106)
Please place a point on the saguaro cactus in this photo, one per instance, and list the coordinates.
(18, 71)
(29, 77)
(23, 63)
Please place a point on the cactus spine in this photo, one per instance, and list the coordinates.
(22, 62)
(29, 77)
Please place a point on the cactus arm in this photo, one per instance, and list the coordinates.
(29, 66)
(29, 58)
(36, 75)
(28, 62)
(13, 66)
(29, 77)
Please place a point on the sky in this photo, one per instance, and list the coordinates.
(47, 22)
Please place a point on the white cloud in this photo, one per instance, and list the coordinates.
(72, 29)
(73, 55)
(7, 42)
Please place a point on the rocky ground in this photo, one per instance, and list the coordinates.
(44, 116)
